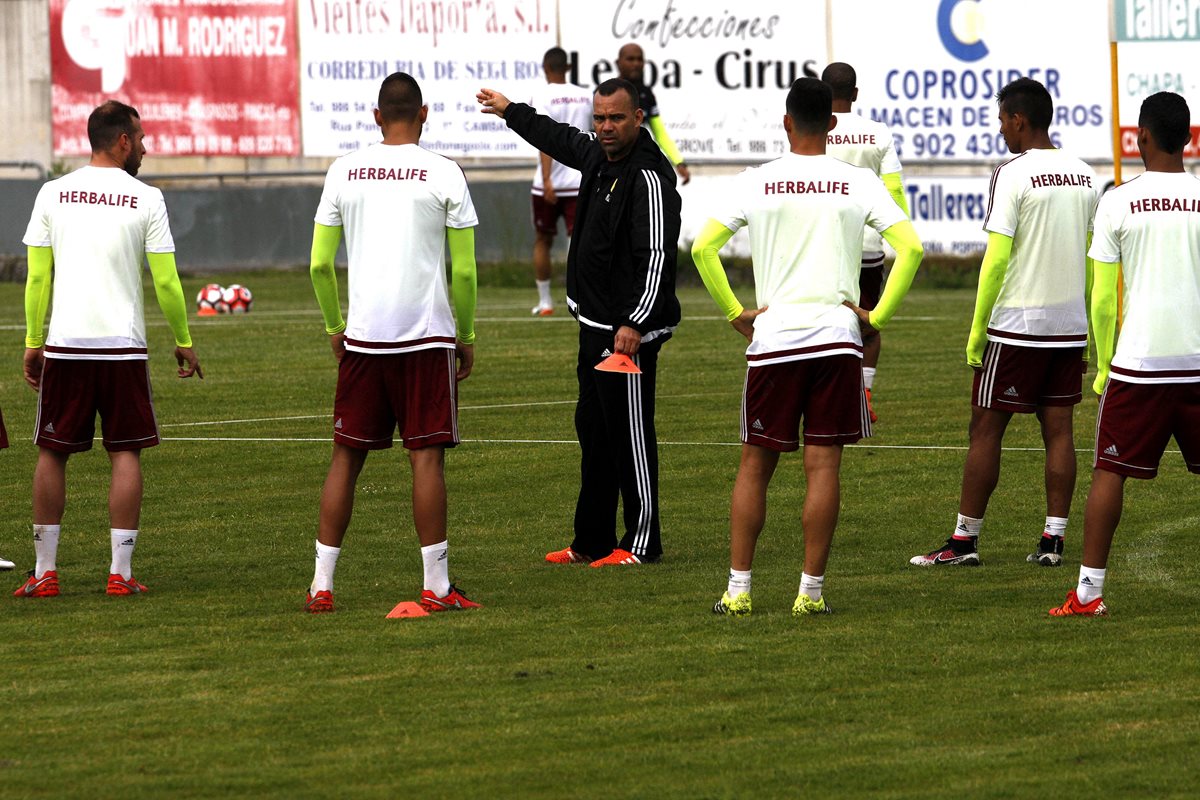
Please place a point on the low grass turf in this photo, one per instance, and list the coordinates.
(573, 681)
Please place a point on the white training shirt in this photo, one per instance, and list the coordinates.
(394, 203)
(1151, 226)
(100, 222)
(1044, 200)
(806, 215)
(562, 102)
(866, 143)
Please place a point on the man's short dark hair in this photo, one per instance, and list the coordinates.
(810, 105)
(108, 121)
(614, 85)
(399, 98)
(1166, 116)
(555, 60)
(841, 79)
(1027, 97)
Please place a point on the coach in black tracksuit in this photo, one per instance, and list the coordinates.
(621, 288)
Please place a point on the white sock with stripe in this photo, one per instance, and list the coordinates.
(739, 581)
(1056, 526)
(45, 547)
(123, 542)
(812, 585)
(967, 527)
(436, 559)
(1091, 584)
(323, 573)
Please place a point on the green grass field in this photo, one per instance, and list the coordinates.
(574, 682)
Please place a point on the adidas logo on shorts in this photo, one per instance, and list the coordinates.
(338, 425)
(49, 427)
(758, 426)
(1111, 450)
(1011, 392)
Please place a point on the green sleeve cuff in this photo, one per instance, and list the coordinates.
(895, 186)
(170, 295)
(705, 252)
(665, 142)
(324, 250)
(909, 252)
(463, 280)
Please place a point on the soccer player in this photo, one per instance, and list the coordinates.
(91, 230)
(397, 353)
(631, 65)
(1028, 341)
(555, 185)
(621, 288)
(806, 213)
(1149, 231)
(866, 143)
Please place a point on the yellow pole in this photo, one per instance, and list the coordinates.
(1116, 133)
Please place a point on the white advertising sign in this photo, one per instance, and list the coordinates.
(451, 48)
(948, 214)
(932, 73)
(719, 70)
(1145, 68)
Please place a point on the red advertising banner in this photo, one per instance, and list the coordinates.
(208, 77)
(1129, 146)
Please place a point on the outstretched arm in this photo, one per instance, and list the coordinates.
(563, 143)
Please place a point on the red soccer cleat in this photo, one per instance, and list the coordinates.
(616, 557)
(118, 586)
(455, 601)
(567, 556)
(319, 603)
(1073, 608)
(871, 408)
(45, 586)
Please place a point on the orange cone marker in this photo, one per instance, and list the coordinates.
(619, 362)
(407, 609)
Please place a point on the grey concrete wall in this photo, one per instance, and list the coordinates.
(25, 80)
(250, 226)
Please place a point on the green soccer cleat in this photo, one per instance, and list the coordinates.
(733, 606)
(806, 606)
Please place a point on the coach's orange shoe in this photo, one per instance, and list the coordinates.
(1073, 608)
(319, 603)
(454, 601)
(567, 556)
(871, 408)
(119, 586)
(45, 586)
(616, 557)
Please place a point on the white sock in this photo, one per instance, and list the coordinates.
(812, 585)
(437, 568)
(1091, 584)
(323, 573)
(544, 298)
(868, 377)
(739, 581)
(45, 547)
(967, 527)
(123, 542)
(1056, 526)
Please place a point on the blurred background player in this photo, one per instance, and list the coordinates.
(631, 65)
(1149, 231)
(806, 213)
(398, 204)
(863, 142)
(91, 230)
(621, 289)
(555, 185)
(1028, 341)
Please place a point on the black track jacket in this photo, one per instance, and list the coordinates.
(621, 263)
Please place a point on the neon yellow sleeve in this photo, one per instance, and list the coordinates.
(1089, 276)
(991, 278)
(904, 240)
(895, 187)
(170, 295)
(705, 249)
(320, 270)
(37, 294)
(463, 281)
(1104, 318)
(665, 142)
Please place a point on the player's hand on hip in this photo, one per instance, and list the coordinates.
(466, 359)
(627, 340)
(35, 361)
(744, 323)
(868, 330)
(549, 195)
(186, 355)
(492, 101)
(337, 341)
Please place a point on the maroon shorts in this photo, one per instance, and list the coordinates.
(1136, 421)
(545, 215)
(416, 391)
(74, 391)
(870, 286)
(3, 433)
(1020, 379)
(827, 393)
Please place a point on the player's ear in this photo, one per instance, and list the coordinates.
(832, 123)
(378, 117)
(854, 97)
(787, 123)
(423, 114)
(639, 116)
